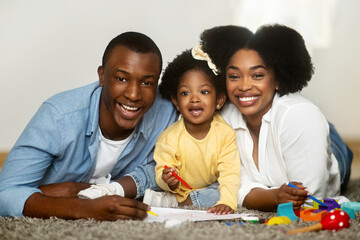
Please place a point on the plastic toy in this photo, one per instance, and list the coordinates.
(278, 220)
(286, 209)
(352, 205)
(349, 211)
(330, 205)
(333, 220)
(312, 215)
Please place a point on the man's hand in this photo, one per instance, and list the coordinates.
(111, 208)
(169, 178)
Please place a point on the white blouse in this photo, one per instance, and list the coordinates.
(294, 145)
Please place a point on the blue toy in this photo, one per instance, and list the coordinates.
(286, 209)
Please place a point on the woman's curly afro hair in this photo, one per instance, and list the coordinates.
(178, 67)
(222, 42)
(283, 50)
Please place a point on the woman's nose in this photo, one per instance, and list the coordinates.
(244, 84)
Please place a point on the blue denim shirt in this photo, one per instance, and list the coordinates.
(60, 144)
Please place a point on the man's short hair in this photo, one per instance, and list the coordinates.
(136, 42)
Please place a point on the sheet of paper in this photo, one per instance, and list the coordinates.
(181, 215)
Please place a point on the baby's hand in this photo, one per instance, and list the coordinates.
(169, 179)
(220, 209)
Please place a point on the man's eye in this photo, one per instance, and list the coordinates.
(121, 79)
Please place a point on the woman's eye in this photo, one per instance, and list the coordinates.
(233, 77)
(258, 76)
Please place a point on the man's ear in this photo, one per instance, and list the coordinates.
(220, 101)
(174, 101)
(101, 75)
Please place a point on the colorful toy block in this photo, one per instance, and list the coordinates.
(286, 209)
(310, 215)
(353, 205)
(330, 205)
(349, 211)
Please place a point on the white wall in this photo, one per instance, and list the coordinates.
(47, 46)
(336, 84)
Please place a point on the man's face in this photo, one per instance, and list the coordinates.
(129, 80)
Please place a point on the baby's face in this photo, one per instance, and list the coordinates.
(196, 98)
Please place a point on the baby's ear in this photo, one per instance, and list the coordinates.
(174, 101)
(220, 101)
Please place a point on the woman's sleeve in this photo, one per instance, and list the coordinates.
(304, 137)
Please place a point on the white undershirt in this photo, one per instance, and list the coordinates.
(108, 153)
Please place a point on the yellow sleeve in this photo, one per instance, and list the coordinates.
(229, 170)
(165, 154)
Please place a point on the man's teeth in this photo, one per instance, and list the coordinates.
(245, 99)
(130, 108)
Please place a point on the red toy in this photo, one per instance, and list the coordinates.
(333, 220)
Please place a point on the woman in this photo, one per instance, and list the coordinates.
(282, 137)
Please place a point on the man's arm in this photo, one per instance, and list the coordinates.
(108, 208)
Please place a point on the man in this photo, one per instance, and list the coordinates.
(80, 136)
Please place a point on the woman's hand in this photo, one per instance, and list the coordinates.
(295, 195)
(169, 178)
(220, 209)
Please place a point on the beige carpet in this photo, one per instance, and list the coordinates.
(28, 228)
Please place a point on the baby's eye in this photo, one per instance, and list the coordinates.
(204, 92)
(184, 93)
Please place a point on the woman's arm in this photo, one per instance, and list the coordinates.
(268, 199)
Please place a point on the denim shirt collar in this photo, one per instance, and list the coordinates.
(93, 124)
(94, 112)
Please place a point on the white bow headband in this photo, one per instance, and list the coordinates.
(199, 54)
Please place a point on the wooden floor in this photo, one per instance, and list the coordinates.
(353, 144)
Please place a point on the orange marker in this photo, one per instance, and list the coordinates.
(179, 178)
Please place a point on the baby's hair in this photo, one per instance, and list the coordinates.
(136, 42)
(178, 67)
(283, 50)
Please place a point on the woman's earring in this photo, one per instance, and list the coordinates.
(218, 106)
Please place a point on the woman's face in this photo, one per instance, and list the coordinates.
(250, 84)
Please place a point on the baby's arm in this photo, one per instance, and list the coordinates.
(169, 178)
(165, 154)
(228, 168)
